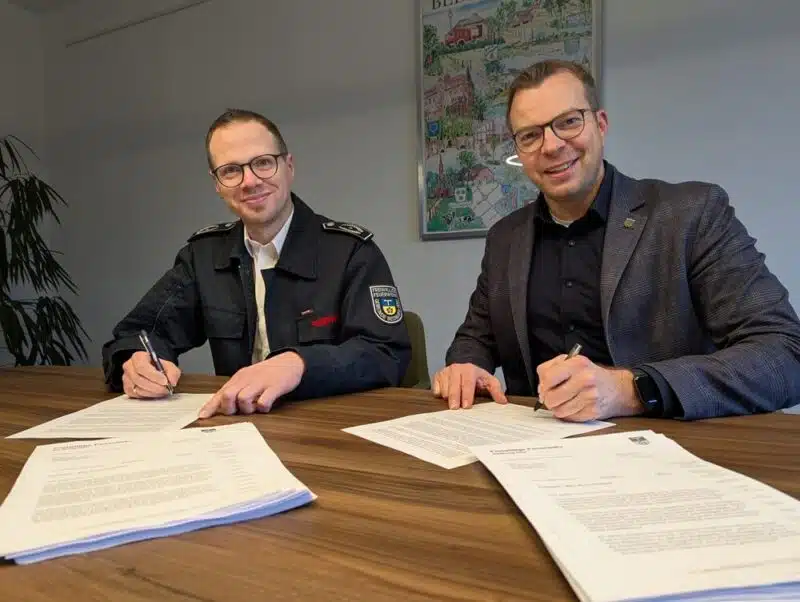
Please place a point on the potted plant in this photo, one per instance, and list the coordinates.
(39, 327)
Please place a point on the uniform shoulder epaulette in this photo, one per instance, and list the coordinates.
(213, 229)
(347, 228)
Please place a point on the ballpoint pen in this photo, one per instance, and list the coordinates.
(154, 358)
(576, 349)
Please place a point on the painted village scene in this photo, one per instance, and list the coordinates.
(472, 50)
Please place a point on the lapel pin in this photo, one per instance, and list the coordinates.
(628, 223)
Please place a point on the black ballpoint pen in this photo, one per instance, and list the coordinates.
(154, 358)
(576, 349)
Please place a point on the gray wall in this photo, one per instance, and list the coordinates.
(21, 92)
(696, 89)
(22, 69)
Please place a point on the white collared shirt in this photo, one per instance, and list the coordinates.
(265, 257)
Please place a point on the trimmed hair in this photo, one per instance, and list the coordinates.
(534, 76)
(242, 116)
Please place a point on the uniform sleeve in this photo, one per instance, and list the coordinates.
(170, 314)
(375, 348)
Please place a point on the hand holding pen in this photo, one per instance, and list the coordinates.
(154, 358)
(576, 389)
(576, 349)
(146, 376)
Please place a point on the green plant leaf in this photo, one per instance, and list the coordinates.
(23, 143)
(12, 328)
(57, 331)
(4, 284)
(50, 192)
(13, 156)
(32, 328)
(45, 329)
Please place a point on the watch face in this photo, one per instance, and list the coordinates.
(648, 392)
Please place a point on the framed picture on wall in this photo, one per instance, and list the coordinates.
(469, 52)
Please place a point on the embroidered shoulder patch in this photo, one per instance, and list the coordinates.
(213, 229)
(386, 303)
(347, 228)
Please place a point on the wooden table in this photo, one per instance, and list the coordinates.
(386, 526)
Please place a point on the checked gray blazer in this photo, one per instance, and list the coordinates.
(683, 290)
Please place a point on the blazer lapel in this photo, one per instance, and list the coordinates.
(626, 220)
(519, 265)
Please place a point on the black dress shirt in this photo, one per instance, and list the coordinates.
(564, 282)
(564, 288)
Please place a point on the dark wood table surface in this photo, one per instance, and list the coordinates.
(386, 526)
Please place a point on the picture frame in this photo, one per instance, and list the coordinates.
(468, 52)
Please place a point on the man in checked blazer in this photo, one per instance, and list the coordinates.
(675, 309)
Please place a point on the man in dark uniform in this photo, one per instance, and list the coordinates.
(293, 305)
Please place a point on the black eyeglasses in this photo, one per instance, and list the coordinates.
(231, 175)
(566, 126)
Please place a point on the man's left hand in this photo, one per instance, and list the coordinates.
(257, 387)
(578, 390)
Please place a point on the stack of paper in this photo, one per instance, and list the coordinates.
(444, 438)
(76, 497)
(634, 516)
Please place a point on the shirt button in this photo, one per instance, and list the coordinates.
(571, 328)
(571, 243)
(568, 283)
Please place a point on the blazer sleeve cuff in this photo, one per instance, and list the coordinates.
(671, 405)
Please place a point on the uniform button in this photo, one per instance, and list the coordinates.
(571, 328)
(568, 283)
(571, 243)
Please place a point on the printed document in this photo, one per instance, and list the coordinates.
(75, 497)
(122, 417)
(444, 438)
(634, 516)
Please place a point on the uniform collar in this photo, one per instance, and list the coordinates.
(299, 249)
(253, 247)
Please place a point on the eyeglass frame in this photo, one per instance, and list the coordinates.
(249, 164)
(549, 124)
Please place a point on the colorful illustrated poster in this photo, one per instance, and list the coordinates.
(470, 51)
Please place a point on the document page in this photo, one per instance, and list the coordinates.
(444, 438)
(635, 516)
(77, 491)
(122, 417)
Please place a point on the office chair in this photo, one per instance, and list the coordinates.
(416, 375)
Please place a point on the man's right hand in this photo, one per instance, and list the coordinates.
(141, 379)
(459, 383)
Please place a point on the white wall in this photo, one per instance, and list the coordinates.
(700, 90)
(21, 90)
